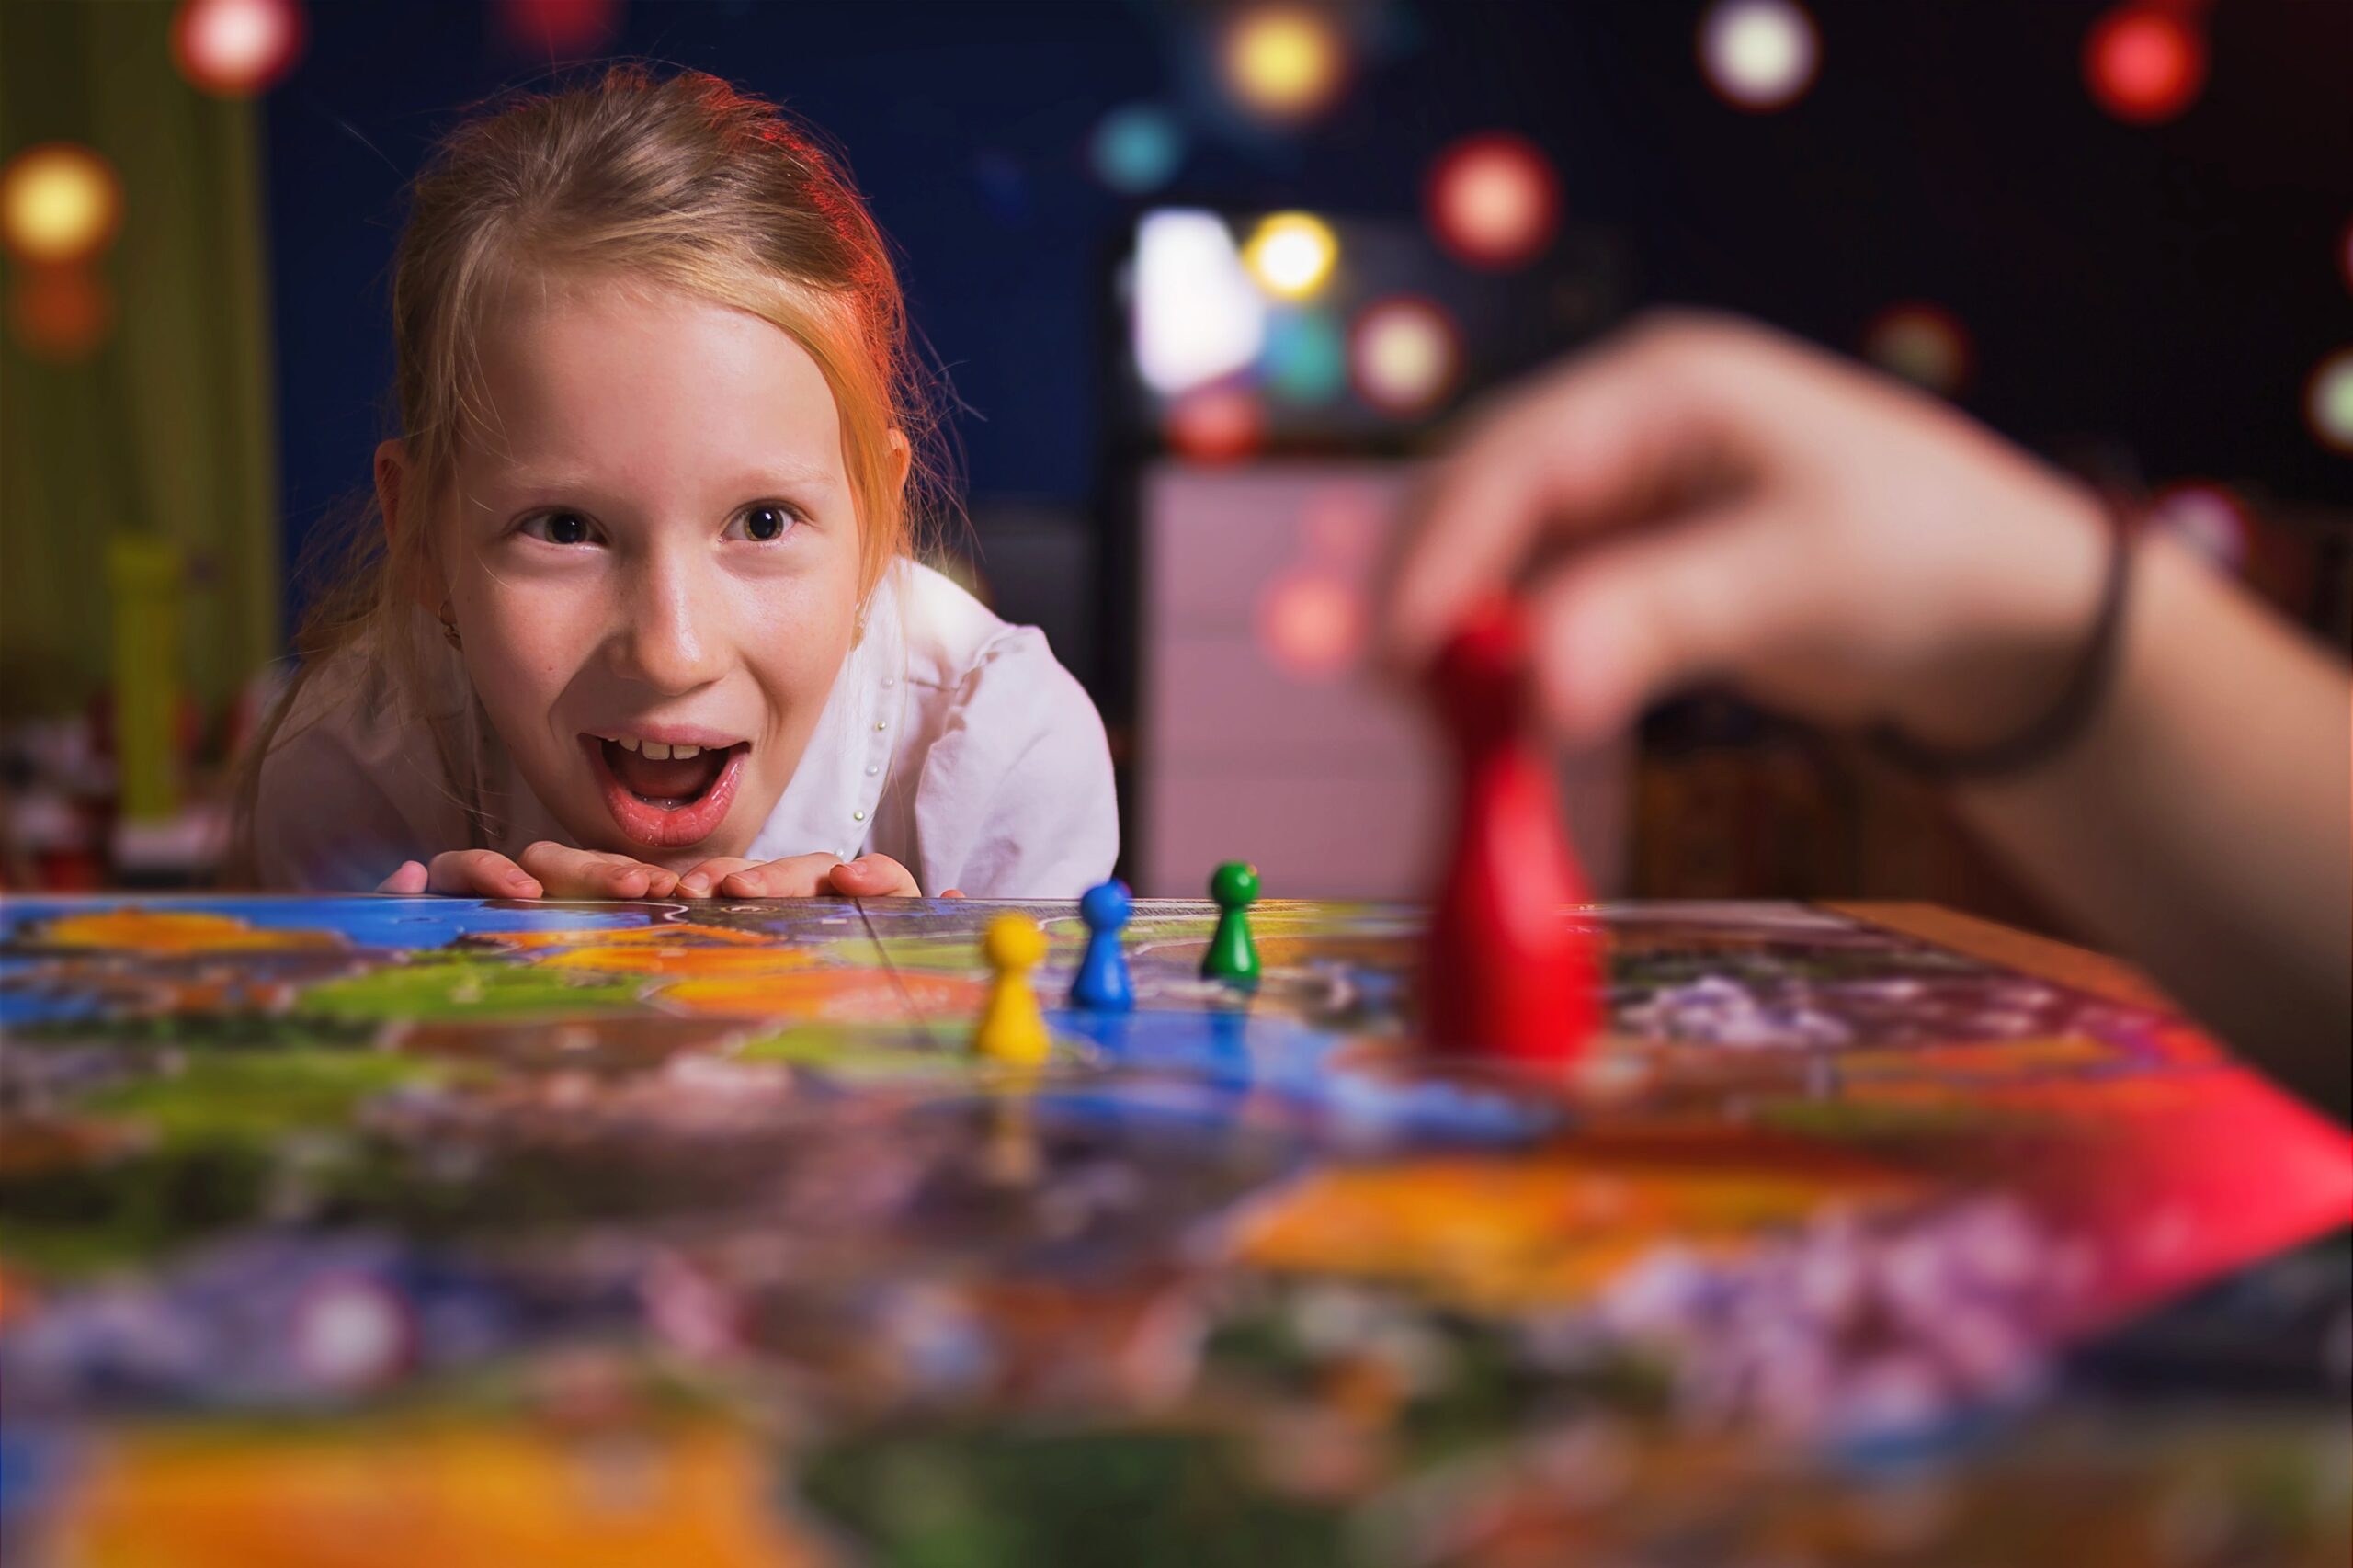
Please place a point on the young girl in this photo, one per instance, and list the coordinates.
(643, 620)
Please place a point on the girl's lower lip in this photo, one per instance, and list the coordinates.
(662, 827)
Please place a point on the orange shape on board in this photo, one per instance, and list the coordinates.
(682, 960)
(170, 932)
(684, 935)
(454, 1497)
(1553, 1228)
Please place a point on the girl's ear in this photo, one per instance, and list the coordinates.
(902, 457)
(391, 480)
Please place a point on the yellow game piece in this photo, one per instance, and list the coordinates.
(1012, 1029)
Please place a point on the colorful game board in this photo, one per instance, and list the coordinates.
(429, 1230)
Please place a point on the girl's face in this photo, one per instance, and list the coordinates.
(652, 556)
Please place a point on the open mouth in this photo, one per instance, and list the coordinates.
(665, 796)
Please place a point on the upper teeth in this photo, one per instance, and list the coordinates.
(655, 749)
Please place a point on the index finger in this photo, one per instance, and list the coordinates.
(875, 875)
(1597, 439)
(583, 873)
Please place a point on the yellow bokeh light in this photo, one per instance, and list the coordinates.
(59, 204)
(1283, 61)
(1292, 255)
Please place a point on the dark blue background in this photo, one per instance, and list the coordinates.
(2167, 287)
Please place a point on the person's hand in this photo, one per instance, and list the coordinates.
(548, 870)
(1703, 499)
(800, 876)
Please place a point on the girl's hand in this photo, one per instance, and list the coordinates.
(1704, 499)
(464, 873)
(800, 876)
(548, 870)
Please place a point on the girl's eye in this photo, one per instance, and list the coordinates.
(558, 527)
(765, 523)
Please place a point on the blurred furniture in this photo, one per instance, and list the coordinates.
(1261, 735)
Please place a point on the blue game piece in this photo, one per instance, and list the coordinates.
(1102, 984)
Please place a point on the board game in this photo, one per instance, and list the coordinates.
(433, 1230)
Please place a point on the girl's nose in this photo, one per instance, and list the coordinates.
(667, 641)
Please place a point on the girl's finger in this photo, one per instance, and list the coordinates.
(802, 876)
(621, 877)
(410, 878)
(702, 881)
(479, 874)
(874, 876)
(566, 872)
(585, 873)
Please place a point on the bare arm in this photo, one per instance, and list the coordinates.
(1703, 499)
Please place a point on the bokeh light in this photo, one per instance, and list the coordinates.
(1216, 425)
(2328, 401)
(1136, 150)
(1199, 317)
(1311, 624)
(1924, 344)
(1292, 255)
(1494, 201)
(60, 202)
(351, 1333)
(1403, 355)
(1759, 54)
(237, 48)
(560, 29)
(59, 313)
(2206, 518)
(2144, 62)
(1283, 61)
(1307, 358)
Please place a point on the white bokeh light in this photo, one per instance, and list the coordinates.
(2328, 401)
(1759, 54)
(1197, 317)
(1403, 355)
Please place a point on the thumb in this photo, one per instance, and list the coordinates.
(1633, 621)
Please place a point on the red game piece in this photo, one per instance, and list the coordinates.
(1509, 975)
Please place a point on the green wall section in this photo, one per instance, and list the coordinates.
(166, 429)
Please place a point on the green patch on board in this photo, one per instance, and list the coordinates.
(470, 988)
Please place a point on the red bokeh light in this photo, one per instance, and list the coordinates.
(59, 313)
(237, 48)
(2145, 65)
(1494, 201)
(560, 29)
(1311, 624)
(1217, 424)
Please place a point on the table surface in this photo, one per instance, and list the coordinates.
(401, 1230)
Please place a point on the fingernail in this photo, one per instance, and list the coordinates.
(523, 887)
(695, 887)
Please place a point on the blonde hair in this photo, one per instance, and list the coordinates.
(675, 181)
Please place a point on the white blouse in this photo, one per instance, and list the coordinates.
(952, 741)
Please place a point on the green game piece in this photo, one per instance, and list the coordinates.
(1233, 956)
